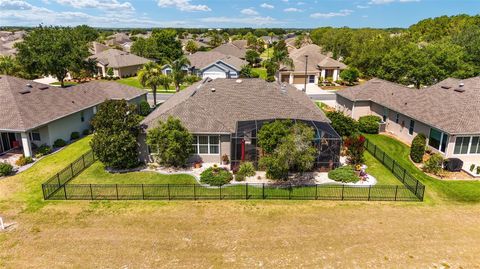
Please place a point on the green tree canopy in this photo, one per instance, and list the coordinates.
(151, 76)
(163, 45)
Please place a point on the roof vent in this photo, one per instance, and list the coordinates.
(459, 89)
(43, 87)
(446, 87)
(238, 81)
(212, 90)
(29, 85)
(24, 91)
(461, 84)
(283, 88)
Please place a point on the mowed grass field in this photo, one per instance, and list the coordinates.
(442, 232)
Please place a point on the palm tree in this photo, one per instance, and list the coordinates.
(165, 81)
(178, 71)
(281, 57)
(150, 76)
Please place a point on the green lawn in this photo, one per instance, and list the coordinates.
(133, 82)
(66, 83)
(444, 190)
(383, 175)
(266, 54)
(96, 174)
(262, 72)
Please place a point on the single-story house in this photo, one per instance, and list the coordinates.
(319, 67)
(123, 63)
(224, 115)
(200, 45)
(214, 65)
(447, 113)
(35, 113)
(237, 48)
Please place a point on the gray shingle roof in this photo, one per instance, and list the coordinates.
(22, 112)
(205, 111)
(231, 49)
(202, 59)
(315, 59)
(440, 105)
(116, 58)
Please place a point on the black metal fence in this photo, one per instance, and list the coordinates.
(410, 182)
(58, 187)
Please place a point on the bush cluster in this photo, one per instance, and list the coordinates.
(59, 143)
(343, 125)
(434, 164)
(24, 161)
(144, 108)
(5, 169)
(74, 136)
(417, 150)
(247, 169)
(86, 132)
(344, 174)
(43, 150)
(369, 124)
(216, 176)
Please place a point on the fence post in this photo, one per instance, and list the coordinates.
(65, 191)
(375, 151)
(143, 193)
(220, 192)
(116, 188)
(404, 172)
(58, 179)
(168, 189)
(91, 192)
(263, 191)
(416, 188)
(71, 168)
(290, 192)
(194, 192)
(396, 191)
(383, 157)
(316, 191)
(83, 159)
(246, 191)
(393, 166)
(369, 189)
(343, 187)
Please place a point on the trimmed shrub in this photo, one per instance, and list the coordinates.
(478, 170)
(239, 177)
(43, 150)
(74, 136)
(355, 148)
(434, 164)
(5, 169)
(369, 124)
(59, 143)
(343, 125)
(274, 166)
(86, 132)
(216, 176)
(417, 150)
(144, 108)
(23, 161)
(247, 169)
(344, 174)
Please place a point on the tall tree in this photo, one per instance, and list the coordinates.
(163, 45)
(191, 46)
(150, 76)
(52, 51)
(8, 65)
(178, 71)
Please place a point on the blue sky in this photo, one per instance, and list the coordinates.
(229, 13)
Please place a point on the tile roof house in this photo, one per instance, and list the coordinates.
(123, 63)
(35, 113)
(319, 66)
(448, 113)
(218, 113)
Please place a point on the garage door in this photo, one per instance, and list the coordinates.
(299, 79)
(214, 75)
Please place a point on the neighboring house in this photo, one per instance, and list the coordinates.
(123, 63)
(97, 47)
(118, 39)
(236, 48)
(214, 65)
(34, 113)
(8, 48)
(447, 113)
(319, 67)
(224, 115)
(270, 40)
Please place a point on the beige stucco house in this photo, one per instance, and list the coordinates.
(123, 63)
(319, 67)
(448, 113)
(32, 113)
(224, 116)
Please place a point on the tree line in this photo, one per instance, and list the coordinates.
(425, 53)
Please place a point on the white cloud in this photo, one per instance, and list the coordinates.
(183, 5)
(249, 12)
(106, 4)
(265, 5)
(301, 3)
(258, 20)
(362, 7)
(15, 5)
(292, 9)
(341, 13)
(381, 2)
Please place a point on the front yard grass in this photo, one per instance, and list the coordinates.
(262, 72)
(133, 82)
(96, 174)
(446, 190)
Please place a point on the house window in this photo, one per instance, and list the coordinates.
(438, 140)
(82, 116)
(204, 144)
(411, 127)
(311, 79)
(397, 118)
(35, 136)
(467, 145)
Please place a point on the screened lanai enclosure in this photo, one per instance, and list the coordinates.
(245, 149)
